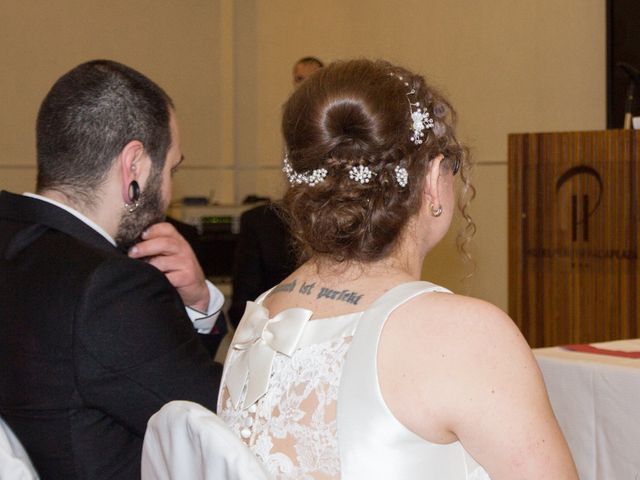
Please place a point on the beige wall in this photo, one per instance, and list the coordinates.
(507, 67)
(183, 45)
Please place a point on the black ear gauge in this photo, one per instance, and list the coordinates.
(134, 191)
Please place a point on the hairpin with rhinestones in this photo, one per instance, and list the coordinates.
(402, 176)
(420, 119)
(310, 178)
(361, 174)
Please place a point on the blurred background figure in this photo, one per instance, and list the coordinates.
(305, 67)
(265, 254)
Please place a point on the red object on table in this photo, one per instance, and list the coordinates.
(587, 348)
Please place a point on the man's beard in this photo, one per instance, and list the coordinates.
(150, 210)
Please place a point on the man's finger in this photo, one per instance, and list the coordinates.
(155, 246)
(162, 229)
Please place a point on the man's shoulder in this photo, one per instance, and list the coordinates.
(137, 270)
(63, 256)
(24, 220)
(54, 246)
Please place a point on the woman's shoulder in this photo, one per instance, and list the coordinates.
(441, 350)
(456, 339)
(464, 361)
(463, 334)
(447, 312)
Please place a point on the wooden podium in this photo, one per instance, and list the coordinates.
(573, 236)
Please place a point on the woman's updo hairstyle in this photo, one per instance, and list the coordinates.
(358, 113)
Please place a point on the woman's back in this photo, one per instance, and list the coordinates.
(323, 415)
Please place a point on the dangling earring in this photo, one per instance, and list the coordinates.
(436, 212)
(134, 197)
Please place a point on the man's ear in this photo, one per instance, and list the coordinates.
(134, 166)
(431, 184)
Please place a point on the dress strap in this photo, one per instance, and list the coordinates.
(366, 427)
(404, 292)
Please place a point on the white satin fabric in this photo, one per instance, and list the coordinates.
(257, 341)
(14, 460)
(373, 443)
(316, 409)
(184, 440)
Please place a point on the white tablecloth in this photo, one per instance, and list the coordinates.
(596, 399)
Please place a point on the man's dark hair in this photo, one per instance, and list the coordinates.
(87, 118)
(313, 60)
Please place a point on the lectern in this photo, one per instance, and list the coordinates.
(573, 236)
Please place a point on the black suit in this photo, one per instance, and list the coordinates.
(92, 343)
(263, 258)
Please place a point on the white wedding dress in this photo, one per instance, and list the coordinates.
(304, 396)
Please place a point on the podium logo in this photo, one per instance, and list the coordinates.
(583, 205)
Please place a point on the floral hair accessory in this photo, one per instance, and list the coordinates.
(310, 178)
(420, 118)
(402, 176)
(361, 174)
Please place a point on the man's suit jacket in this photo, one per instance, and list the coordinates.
(263, 258)
(92, 343)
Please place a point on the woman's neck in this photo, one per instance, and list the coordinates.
(392, 266)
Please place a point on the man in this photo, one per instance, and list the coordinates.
(305, 67)
(94, 341)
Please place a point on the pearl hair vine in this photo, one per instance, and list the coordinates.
(310, 178)
(360, 173)
(420, 118)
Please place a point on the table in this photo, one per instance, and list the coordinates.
(596, 399)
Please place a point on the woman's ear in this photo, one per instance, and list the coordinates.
(134, 167)
(431, 182)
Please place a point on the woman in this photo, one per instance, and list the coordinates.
(351, 368)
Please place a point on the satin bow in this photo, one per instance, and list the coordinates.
(257, 340)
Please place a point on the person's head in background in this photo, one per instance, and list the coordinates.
(358, 129)
(107, 141)
(305, 67)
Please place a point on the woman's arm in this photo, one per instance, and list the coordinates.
(453, 367)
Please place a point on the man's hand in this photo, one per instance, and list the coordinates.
(164, 248)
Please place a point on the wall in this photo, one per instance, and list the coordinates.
(183, 45)
(507, 67)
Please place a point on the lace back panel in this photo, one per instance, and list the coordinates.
(293, 428)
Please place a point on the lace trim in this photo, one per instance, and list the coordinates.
(293, 427)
